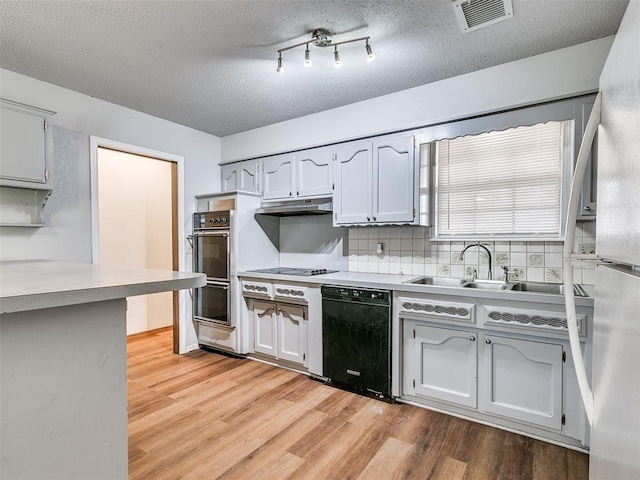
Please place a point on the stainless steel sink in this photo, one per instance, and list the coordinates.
(439, 281)
(549, 288)
(488, 285)
(531, 287)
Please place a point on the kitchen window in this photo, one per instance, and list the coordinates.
(504, 175)
(503, 184)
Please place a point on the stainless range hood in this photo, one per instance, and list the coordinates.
(315, 206)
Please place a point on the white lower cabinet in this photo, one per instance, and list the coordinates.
(522, 380)
(441, 363)
(264, 319)
(512, 378)
(291, 333)
(280, 330)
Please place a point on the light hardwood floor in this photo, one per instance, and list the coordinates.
(208, 416)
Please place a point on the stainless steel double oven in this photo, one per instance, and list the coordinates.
(212, 256)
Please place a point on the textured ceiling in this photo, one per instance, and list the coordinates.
(211, 65)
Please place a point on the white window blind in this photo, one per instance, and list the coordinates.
(502, 184)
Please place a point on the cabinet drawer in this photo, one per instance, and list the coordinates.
(256, 289)
(290, 292)
(421, 308)
(530, 322)
(215, 336)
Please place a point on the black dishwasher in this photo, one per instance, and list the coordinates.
(356, 339)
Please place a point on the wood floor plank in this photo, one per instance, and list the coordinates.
(342, 407)
(448, 468)
(516, 458)
(387, 461)
(357, 456)
(206, 416)
(577, 465)
(427, 444)
(258, 463)
(484, 460)
(327, 453)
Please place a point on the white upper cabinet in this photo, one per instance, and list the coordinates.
(278, 177)
(352, 197)
(307, 173)
(313, 172)
(22, 150)
(244, 176)
(393, 179)
(376, 181)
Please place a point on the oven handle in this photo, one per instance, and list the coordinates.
(209, 234)
(225, 286)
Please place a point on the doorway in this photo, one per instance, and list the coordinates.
(135, 206)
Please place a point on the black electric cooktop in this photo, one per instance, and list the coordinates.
(302, 272)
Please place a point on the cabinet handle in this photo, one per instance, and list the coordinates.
(297, 194)
(290, 194)
(487, 341)
(374, 219)
(587, 208)
(473, 339)
(368, 219)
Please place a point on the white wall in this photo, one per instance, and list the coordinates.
(67, 215)
(313, 242)
(67, 232)
(549, 76)
(135, 224)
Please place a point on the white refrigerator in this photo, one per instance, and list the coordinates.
(615, 433)
(615, 398)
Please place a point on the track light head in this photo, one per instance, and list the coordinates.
(370, 55)
(337, 63)
(307, 59)
(280, 69)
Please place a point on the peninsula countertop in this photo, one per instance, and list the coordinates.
(35, 284)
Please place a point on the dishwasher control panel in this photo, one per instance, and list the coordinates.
(356, 294)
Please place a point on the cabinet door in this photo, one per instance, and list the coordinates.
(522, 380)
(248, 176)
(394, 174)
(278, 177)
(22, 146)
(352, 197)
(441, 364)
(314, 172)
(291, 333)
(264, 315)
(229, 178)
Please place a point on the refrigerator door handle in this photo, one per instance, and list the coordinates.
(570, 233)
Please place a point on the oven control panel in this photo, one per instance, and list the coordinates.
(211, 220)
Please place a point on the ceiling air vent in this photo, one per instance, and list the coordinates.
(474, 14)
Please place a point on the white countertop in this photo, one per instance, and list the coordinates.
(396, 282)
(32, 285)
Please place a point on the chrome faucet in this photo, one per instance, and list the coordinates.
(490, 275)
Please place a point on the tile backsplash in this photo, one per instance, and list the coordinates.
(410, 251)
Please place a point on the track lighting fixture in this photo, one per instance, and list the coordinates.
(322, 38)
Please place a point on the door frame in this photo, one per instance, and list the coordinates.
(179, 297)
